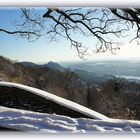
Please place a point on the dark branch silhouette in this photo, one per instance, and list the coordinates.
(103, 25)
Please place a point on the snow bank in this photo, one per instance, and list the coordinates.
(59, 100)
(52, 123)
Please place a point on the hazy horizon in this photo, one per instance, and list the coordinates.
(83, 61)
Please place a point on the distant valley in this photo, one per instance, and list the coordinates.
(96, 72)
(105, 70)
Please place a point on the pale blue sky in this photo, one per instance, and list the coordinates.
(41, 51)
(38, 51)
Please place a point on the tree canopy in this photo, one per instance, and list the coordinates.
(103, 25)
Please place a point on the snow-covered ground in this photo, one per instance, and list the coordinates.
(52, 123)
(131, 78)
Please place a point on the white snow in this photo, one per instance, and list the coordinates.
(59, 100)
(128, 77)
(52, 123)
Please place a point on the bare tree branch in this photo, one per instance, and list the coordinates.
(103, 25)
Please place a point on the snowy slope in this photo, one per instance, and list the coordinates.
(43, 122)
(59, 100)
(52, 123)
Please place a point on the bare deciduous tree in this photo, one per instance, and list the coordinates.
(103, 25)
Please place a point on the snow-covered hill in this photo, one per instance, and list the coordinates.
(44, 122)
(64, 102)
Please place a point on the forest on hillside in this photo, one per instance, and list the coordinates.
(116, 98)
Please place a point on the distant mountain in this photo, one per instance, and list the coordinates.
(55, 66)
(27, 64)
(51, 65)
